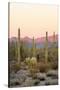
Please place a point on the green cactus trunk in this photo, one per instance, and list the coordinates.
(19, 46)
(33, 47)
(46, 48)
(54, 39)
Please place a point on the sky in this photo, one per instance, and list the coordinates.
(33, 19)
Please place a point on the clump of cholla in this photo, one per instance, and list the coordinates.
(31, 61)
(32, 65)
(27, 60)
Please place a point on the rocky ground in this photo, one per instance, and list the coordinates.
(23, 78)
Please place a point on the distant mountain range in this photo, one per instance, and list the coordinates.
(39, 41)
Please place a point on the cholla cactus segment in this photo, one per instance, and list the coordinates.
(27, 60)
(33, 60)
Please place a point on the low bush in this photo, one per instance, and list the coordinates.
(15, 67)
(54, 65)
(43, 67)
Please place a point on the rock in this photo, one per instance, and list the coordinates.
(30, 82)
(36, 82)
(41, 76)
(23, 73)
(20, 77)
(14, 82)
(52, 77)
(52, 82)
(42, 83)
(48, 78)
(12, 75)
(53, 74)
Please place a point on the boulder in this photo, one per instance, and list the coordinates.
(41, 76)
(12, 75)
(30, 82)
(42, 83)
(52, 82)
(23, 73)
(52, 74)
(14, 82)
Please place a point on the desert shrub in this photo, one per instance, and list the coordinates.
(54, 65)
(53, 55)
(43, 67)
(15, 67)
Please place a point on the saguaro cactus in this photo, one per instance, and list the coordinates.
(18, 45)
(33, 47)
(46, 48)
(54, 39)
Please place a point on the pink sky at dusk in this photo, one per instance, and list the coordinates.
(33, 19)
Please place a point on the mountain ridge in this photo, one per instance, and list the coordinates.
(37, 40)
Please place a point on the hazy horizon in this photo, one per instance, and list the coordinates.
(33, 19)
(34, 37)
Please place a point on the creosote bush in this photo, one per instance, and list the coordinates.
(15, 67)
(54, 65)
(43, 67)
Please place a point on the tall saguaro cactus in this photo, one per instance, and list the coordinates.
(53, 39)
(46, 48)
(18, 45)
(33, 47)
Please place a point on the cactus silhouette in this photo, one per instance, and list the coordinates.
(46, 48)
(18, 45)
(33, 47)
(54, 39)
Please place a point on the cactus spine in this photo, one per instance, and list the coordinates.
(46, 48)
(18, 45)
